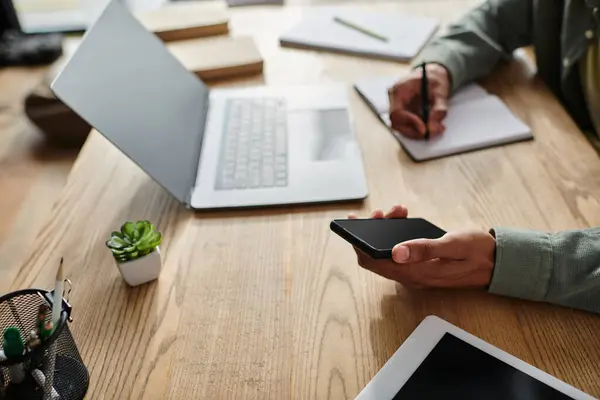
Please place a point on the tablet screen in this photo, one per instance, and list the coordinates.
(456, 370)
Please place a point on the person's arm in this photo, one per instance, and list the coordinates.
(474, 44)
(561, 268)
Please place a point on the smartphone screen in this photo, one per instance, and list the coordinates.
(377, 237)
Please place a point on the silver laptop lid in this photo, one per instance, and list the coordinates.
(125, 83)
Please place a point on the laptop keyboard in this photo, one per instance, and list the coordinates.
(254, 150)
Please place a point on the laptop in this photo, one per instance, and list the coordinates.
(237, 147)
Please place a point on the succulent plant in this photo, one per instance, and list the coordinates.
(133, 241)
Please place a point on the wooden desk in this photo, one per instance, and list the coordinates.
(32, 174)
(269, 303)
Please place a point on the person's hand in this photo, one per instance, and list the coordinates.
(405, 102)
(456, 260)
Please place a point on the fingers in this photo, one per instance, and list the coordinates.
(404, 119)
(439, 108)
(386, 268)
(415, 276)
(444, 273)
(438, 273)
(411, 125)
(361, 258)
(377, 214)
(397, 212)
(420, 250)
(436, 128)
(407, 123)
(439, 111)
(405, 103)
(405, 92)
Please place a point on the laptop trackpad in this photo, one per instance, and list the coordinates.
(324, 135)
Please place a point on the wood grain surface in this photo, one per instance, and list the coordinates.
(32, 174)
(257, 304)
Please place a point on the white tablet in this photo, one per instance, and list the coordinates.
(441, 361)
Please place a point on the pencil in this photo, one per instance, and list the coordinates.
(425, 99)
(360, 29)
(58, 291)
(56, 311)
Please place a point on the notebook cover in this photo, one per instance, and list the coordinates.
(215, 57)
(219, 57)
(182, 21)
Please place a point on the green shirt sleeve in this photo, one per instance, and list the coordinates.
(561, 268)
(474, 44)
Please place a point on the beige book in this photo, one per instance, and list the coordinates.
(187, 20)
(215, 57)
(219, 56)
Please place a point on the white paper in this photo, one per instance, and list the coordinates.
(475, 120)
(470, 125)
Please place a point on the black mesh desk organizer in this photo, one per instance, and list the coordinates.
(70, 376)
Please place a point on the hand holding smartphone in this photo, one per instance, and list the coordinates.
(377, 237)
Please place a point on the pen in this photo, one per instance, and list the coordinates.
(40, 378)
(425, 99)
(44, 328)
(360, 29)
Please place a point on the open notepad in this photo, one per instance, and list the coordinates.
(404, 35)
(475, 120)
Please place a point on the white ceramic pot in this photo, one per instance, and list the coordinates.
(141, 270)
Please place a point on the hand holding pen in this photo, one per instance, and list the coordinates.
(420, 96)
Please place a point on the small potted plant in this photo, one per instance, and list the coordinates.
(135, 250)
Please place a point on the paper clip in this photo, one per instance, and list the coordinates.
(68, 292)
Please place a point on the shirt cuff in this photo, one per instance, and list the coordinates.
(523, 264)
(442, 54)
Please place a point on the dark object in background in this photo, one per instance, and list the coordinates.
(17, 48)
(59, 124)
(8, 17)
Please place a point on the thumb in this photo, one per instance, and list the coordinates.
(420, 250)
(439, 109)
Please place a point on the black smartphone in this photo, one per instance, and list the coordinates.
(377, 237)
